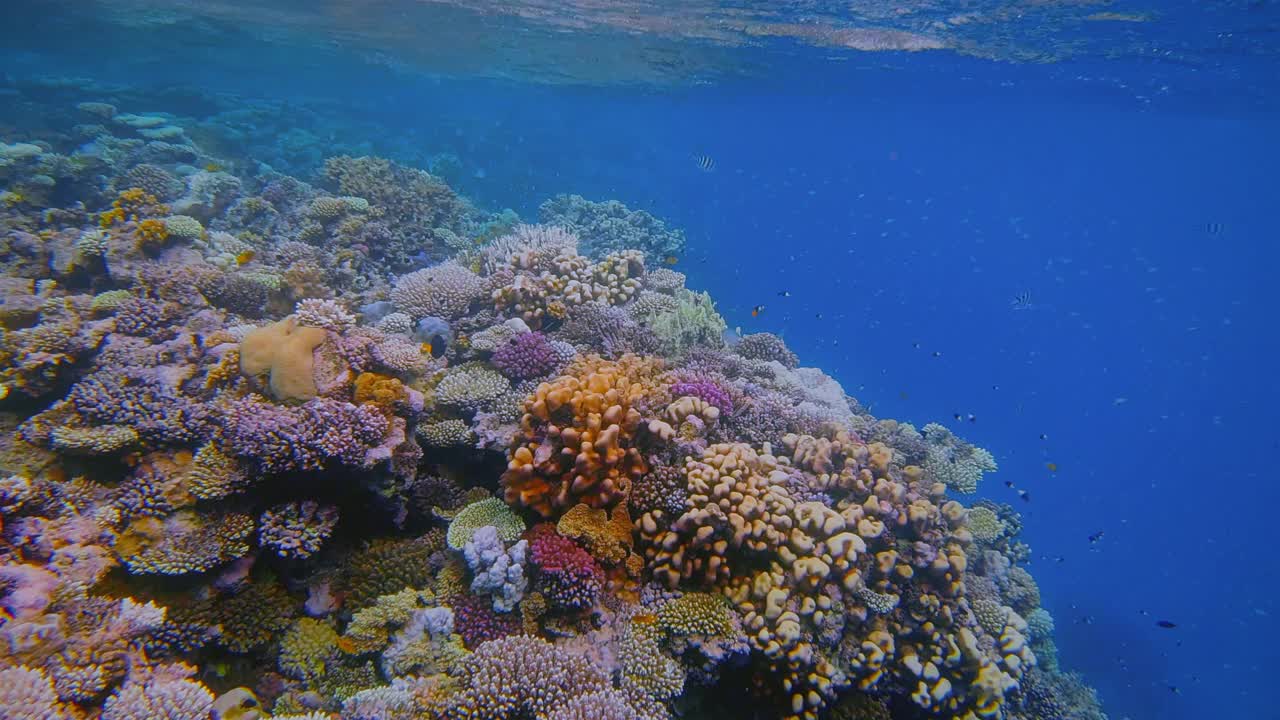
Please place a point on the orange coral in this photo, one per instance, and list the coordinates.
(579, 436)
(132, 204)
(381, 390)
(606, 535)
(152, 234)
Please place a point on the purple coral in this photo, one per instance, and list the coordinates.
(705, 390)
(526, 356)
(766, 346)
(567, 575)
(145, 399)
(477, 622)
(312, 436)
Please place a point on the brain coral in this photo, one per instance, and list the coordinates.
(579, 438)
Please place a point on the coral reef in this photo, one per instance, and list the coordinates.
(373, 453)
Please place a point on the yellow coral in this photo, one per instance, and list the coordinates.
(383, 391)
(132, 204)
(606, 535)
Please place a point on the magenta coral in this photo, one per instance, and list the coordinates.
(704, 390)
(477, 622)
(567, 575)
(526, 356)
(318, 434)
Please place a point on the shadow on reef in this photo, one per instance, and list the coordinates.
(349, 446)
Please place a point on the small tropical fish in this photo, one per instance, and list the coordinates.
(755, 311)
(1213, 228)
(937, 353)
(817, 316)
(1026, 496)
(245, 257)
(1174, 689)
(213, 167)
(1096, 537)
(1166, 624)
(435, 347)
(671, 260)
(1021, 301)
(1044, 436)
(784, 293)
(903, 395)
(705, 163)
(957, 416)
(1053, 467)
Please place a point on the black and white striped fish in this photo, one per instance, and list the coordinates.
(705, 163)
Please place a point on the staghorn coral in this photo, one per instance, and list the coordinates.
(184, 542)
(568, 577)
(161, 693)
(519, 677)
(528, 248)
(579, 436)
(320, 433)
(307, 649)
(766, 346)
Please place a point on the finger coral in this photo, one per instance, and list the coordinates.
(580, 435)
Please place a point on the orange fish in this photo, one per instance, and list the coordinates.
(755, 311)
(245, 257)
(671, 259)
(1053, 467)
(426, 348)
(213, 167)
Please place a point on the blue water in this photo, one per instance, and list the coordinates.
(903, 201)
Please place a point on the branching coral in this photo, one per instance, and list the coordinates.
(297, 530)
(580, 436)
(954, 462)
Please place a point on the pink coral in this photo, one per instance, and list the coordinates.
(567, 575)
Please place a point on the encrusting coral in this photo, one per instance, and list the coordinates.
(374, 453)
